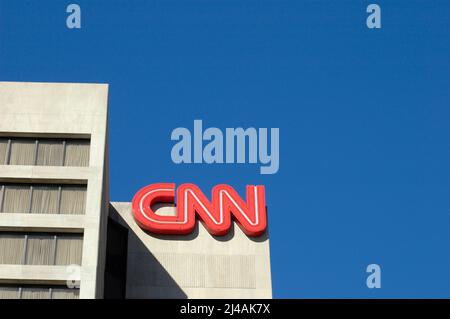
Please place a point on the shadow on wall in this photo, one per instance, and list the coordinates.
(169, 209)
(192, 236)
(143, 277)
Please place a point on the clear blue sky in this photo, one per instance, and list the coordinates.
(364, 119)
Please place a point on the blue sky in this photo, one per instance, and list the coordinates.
(363, 114)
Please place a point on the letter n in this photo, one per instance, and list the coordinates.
(251, 215)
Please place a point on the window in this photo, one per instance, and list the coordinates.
(77, 153)
(8, 292)
(65, 293)
(73, 200)
(3, 150)
(44, 151)
(40, 249)
(43, 199)
(34, 293)
(69, 249)
(16, 199)
(50, 153)
(37, 292)
(23, 152)
(12, 248)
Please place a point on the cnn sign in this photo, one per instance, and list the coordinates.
(216, 214)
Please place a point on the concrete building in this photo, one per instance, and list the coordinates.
(198, 265)
(60, 237)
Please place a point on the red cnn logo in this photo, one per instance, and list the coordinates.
(215, 215)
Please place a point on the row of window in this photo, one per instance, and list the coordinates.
(42, 199)
(36, 248)
(38, 292)
(40, 249)
(44, 152)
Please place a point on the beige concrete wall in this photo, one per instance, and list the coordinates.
(195, 266)
(60, 110)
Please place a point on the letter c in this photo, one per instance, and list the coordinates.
(143, 201)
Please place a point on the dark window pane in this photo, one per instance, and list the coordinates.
(23, 152)
(50, 153)
(77, 153)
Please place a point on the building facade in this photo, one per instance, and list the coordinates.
(54, 189)
(198, 265)
(60, 237)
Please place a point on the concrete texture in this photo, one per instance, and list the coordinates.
(60, 110)
(198, 265)
(32, 274)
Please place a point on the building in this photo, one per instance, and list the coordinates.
(60, 237)
(54, 192)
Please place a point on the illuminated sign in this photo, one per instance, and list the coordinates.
(191, 202)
